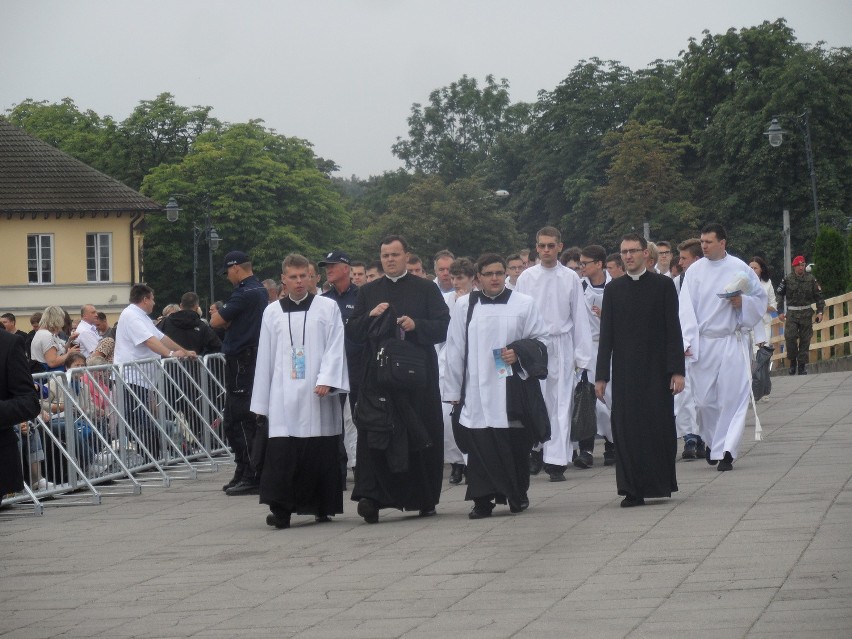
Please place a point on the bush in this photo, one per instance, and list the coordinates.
(831, 262)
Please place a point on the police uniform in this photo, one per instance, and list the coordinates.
(797, 294)
(244, 310)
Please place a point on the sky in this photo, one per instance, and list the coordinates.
(344, 75)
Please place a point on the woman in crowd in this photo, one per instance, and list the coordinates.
(47, 347)
(758, 265)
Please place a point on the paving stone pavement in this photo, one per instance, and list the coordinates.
(763, 551)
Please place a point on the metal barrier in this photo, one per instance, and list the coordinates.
(109, 429)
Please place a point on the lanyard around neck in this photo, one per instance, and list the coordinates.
(290, 328)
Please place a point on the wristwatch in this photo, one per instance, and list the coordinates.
(171, 353)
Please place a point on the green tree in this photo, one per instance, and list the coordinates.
(265, 195)
(831, 262)
(458, 129)
(463, 216)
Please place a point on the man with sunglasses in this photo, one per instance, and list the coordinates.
(558, 294)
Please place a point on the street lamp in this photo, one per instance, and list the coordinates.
(207, 233)
(775, 135)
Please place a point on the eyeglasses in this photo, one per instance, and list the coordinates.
(493, 274)
(550, 246)
(584, 264)
(631, 251)
(664, 252)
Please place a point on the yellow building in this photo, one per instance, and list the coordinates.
(69, 235)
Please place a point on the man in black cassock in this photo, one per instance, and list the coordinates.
(641, 336)
(402, 468)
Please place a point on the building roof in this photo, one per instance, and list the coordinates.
(36, 177)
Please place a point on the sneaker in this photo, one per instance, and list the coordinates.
(689, 449)
(700, 449)
(584, 460)
(244, 487)
(43, 484)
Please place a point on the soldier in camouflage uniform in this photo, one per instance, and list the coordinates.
(796, 293)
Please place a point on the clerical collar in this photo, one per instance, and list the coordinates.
(636, 277)
(501, 298)
(297, 302)
(288, 305)
(397, 278)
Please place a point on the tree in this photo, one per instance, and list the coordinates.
(831, 262)
(265, 194)
(458, 129)
(464, 217)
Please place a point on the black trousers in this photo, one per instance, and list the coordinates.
(240, 424)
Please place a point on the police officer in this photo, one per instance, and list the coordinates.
(241, 316)
(798, 291)
(337, 267)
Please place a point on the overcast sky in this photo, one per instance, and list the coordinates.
(343, 75)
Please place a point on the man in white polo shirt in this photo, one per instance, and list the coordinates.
(87, 332)
(137, 338)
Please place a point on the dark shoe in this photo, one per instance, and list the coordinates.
(803, 369)
(279, 521)
(584, 460)
(689, 449)
(630, 501)
(238, 475)
(556, 473)
(322, 519)
(244, 487)
(368, 510)
(536, 461)
(519, 506)
(712, 462)
(727, 463)
(556, 476)
(457, 473)
(793, 370)
(700, 450)
(609, 458)
(427, 512)
(481, 511)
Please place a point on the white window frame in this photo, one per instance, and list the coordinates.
(97, 275)
(44, 247)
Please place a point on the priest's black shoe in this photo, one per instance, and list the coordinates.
(457, 473)
(481, 511)
(278, 520)
(536, 461)
(368, 510)
(630, 501)
(556, 473)
(238, 475)
(712, 462)
(427, 512)
(519, 506)
(584, 460)
(609, 454)
(793, 370)
(803, 369)
(322, 519)
(727, 463)
(244, 487)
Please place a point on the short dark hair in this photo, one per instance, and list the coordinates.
(595, 252)
(357, 263)
(549, 231)
(294, 260)
(8, 316)
(139, 292)
(74, 357)
(442, 254)
(718, 229)
(571, 254)
(692, 245)
(514, 256)
(376, 265)
(463, 266)
(615, 257)
(634, 237)
(663, 243)
(414, 259)
(102, 316)
(35, 318)
(487, 259)
(388, 239)
(188, 301)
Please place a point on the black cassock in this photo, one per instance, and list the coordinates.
(418, 487)
(640, 331)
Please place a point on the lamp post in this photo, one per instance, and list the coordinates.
(775, 134)
(206, 233)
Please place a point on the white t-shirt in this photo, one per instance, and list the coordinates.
(134, 327)
(43, 341)
(87, 337)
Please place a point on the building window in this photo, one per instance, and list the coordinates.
(99, 257)
(40, 258)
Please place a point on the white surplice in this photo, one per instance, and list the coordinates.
(558, 294)
(452, 454)
(715, 333)
(492, 326)
(594, 297)
(290, 404)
